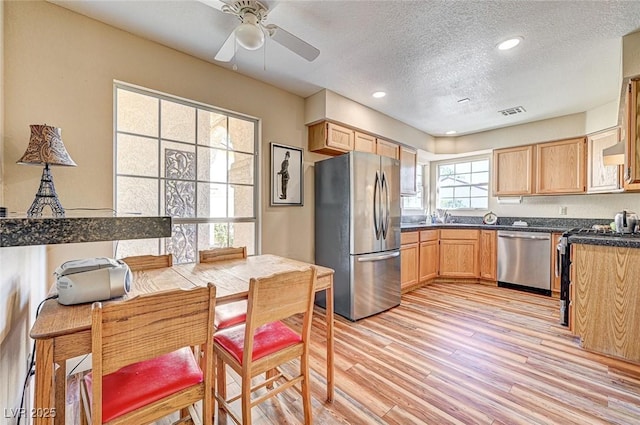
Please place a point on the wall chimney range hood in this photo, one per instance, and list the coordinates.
(615, 155)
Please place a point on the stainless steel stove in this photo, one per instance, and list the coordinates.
(563, 261)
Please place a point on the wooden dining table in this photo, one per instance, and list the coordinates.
(64, 332)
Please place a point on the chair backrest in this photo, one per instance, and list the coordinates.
(219, 254)
(147, 262)
(149, 325)
(279, 296)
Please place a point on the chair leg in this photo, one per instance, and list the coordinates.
(270, 374)
(221, 380)
(306, 390)
(246, 400)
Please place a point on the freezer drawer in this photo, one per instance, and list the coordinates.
(375, 283)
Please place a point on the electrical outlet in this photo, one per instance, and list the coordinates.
(563, 210)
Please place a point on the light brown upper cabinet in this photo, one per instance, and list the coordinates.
(364, 142)
(513, 171)
(600, 177)
(387, 148)
(331, 139)
(561, 166)
(408, 166)
(632, 127)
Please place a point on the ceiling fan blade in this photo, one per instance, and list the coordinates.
(216, 4)
(228, 49)
(292, 42)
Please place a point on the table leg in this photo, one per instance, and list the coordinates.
(329, 318)
(44, 385)
(60, 395)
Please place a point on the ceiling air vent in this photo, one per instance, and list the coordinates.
(512, 111)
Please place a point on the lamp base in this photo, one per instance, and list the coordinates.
(46, 196)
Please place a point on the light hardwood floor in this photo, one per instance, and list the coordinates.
(462, 354)
(467, 354)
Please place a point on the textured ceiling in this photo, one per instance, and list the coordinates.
(425, 54)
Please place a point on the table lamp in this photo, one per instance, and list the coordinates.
(46, 147)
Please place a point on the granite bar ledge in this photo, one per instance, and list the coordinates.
(51, 231)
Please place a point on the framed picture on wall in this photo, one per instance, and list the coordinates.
(286, 175)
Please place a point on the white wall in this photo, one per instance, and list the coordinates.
(1, 103)
(22, 287)
(329, 105)
(535, 132)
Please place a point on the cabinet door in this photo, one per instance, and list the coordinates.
(488, 255)
(429, 260)
(330, 139)
(409, 258)
(459, 258)
(408, 166)
(387, 148)
(560, 166)
(364, 142)
(339, 137)
(513, 171)
(632, 128)
(600, 177)
(555, 280)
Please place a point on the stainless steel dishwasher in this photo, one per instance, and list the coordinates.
(524, 260)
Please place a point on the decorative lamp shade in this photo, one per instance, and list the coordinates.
(46, 147)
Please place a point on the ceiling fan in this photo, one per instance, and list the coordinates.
(252, 31)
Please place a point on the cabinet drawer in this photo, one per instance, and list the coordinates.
(459, 234)
(407, 238)
(428, 235)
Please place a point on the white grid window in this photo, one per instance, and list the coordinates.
(189, 161)
(463, 185)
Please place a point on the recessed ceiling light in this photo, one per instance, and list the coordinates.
(465, 100)
(379, 94)
(510, 43)
(450, 132)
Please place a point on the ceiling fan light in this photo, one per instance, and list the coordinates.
(249, 36)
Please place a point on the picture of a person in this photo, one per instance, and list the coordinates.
(284, 173)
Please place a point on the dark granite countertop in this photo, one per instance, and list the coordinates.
(50, 231)
(535, 224)
(613, 240)
(410, 227)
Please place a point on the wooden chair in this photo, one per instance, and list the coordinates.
(147, 262)
(264, 342)
(233, 313)
(143, 366)
(219, 254)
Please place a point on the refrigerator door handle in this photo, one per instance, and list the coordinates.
(376, 203)
(386, 219)
(381, 257)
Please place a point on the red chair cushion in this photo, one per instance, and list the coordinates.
(267, 339)
(143, 383)
(227, 315)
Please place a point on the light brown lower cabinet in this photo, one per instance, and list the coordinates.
(409, 258)
(488, 255)
(429, 255)
(459, 253)
(605, 304)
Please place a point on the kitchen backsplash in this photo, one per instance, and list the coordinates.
(507, 221)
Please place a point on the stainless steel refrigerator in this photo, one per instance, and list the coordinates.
(357, 231)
